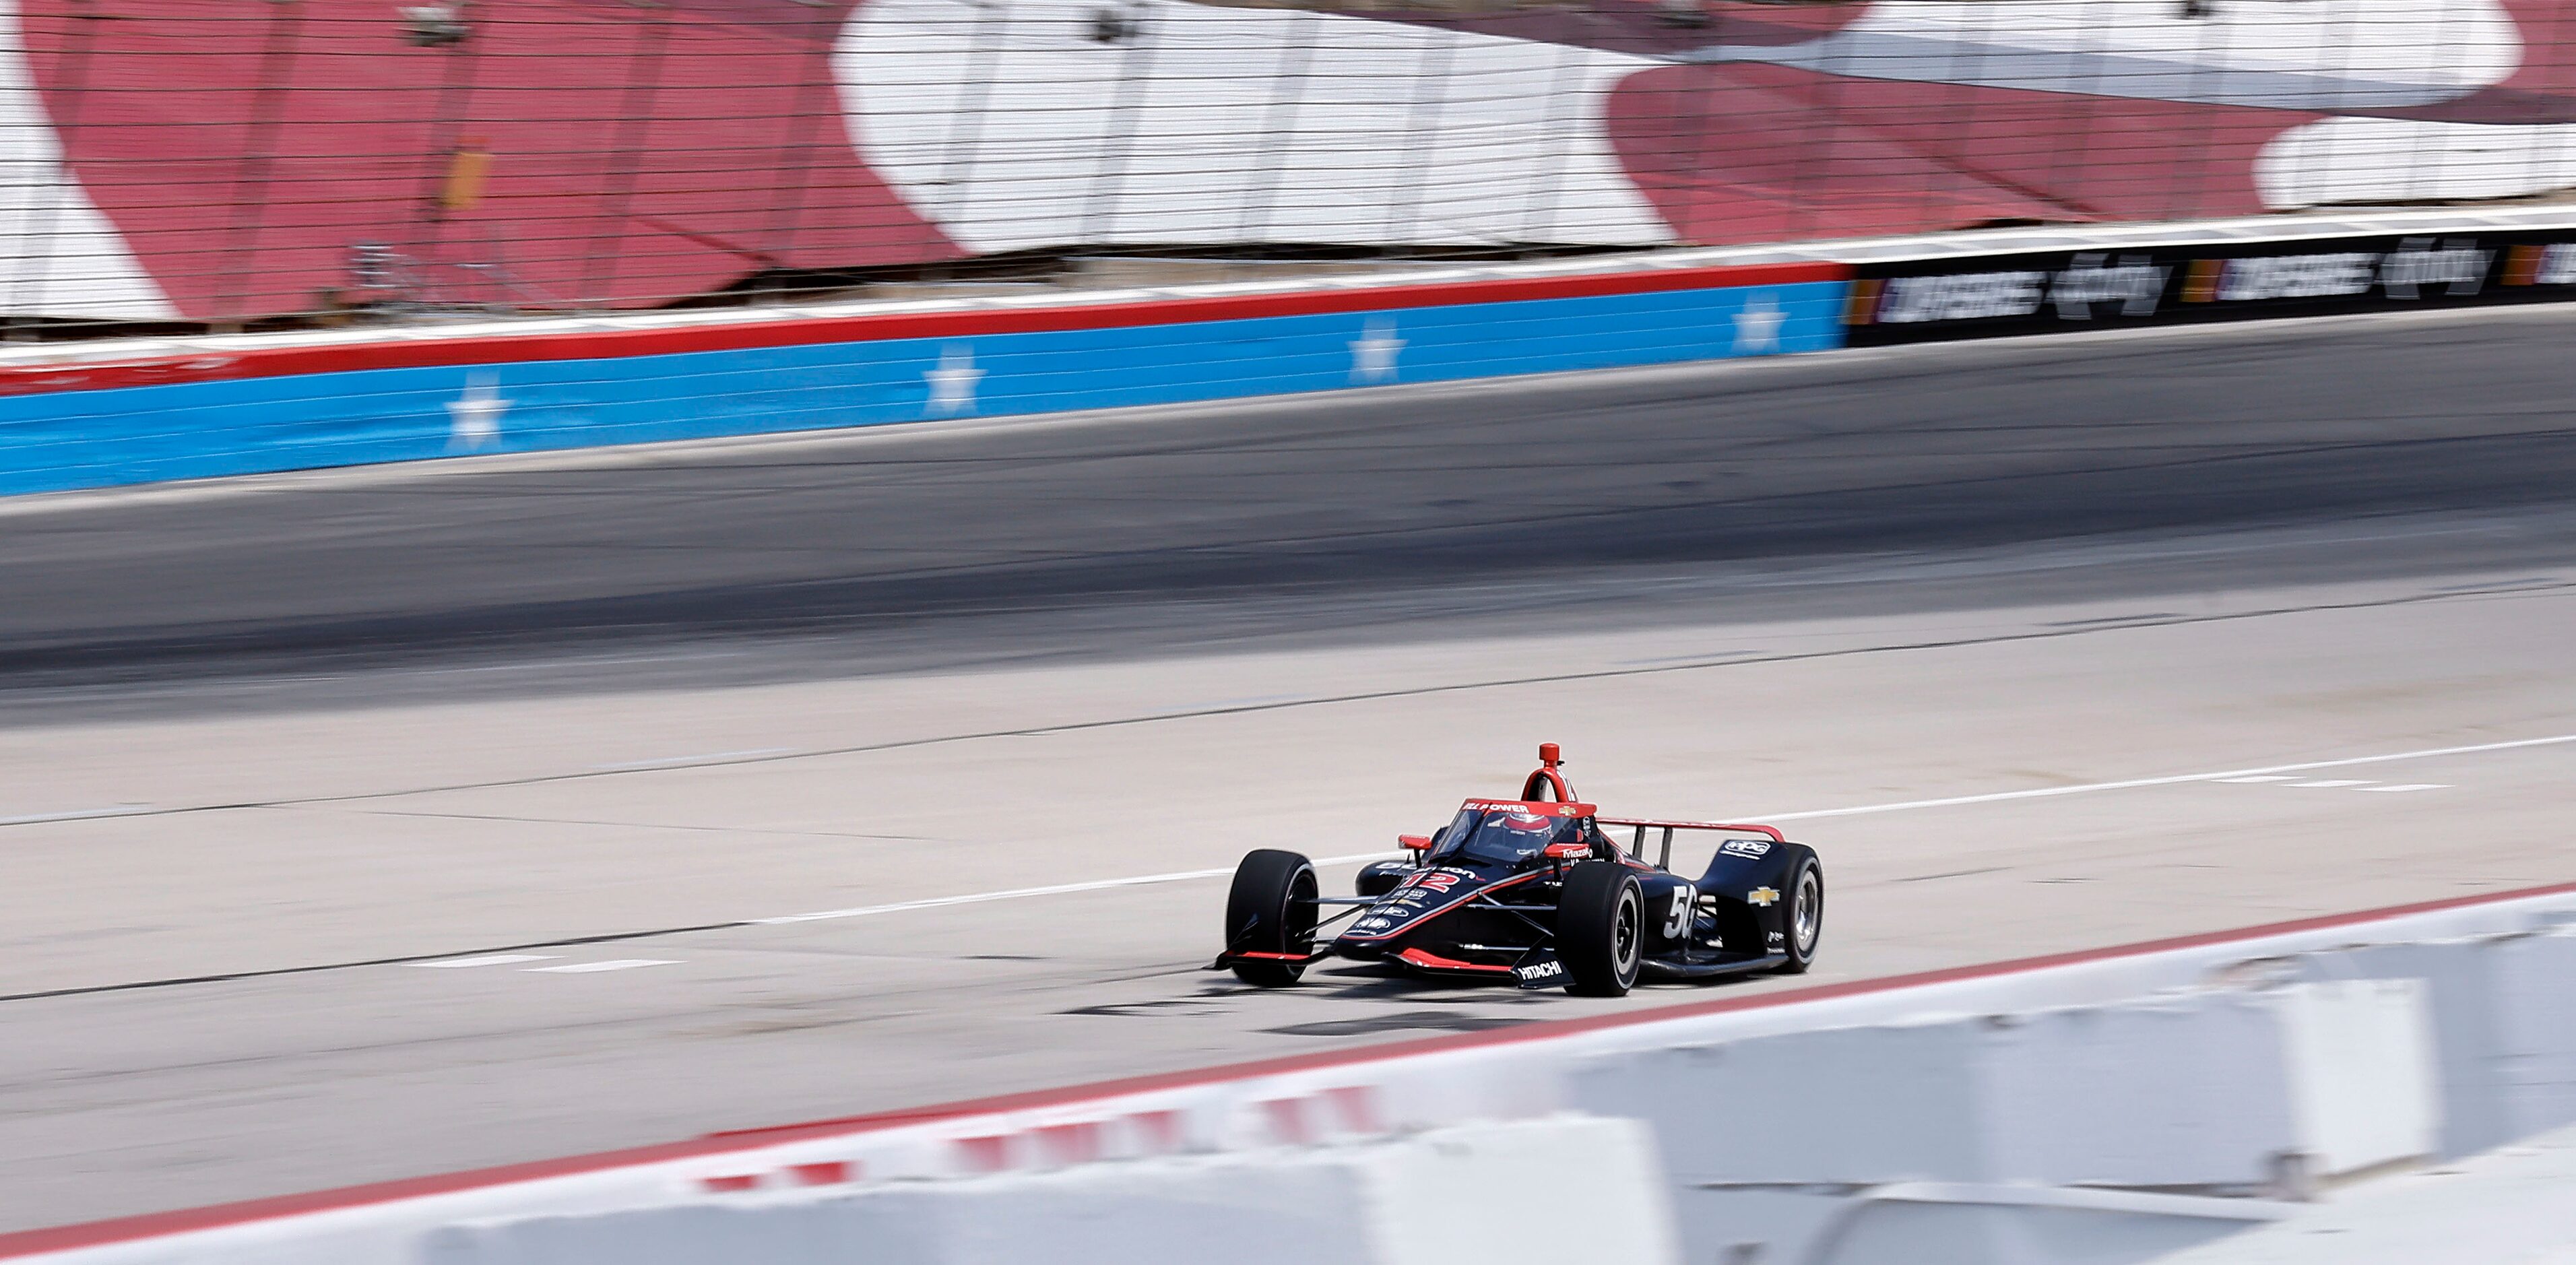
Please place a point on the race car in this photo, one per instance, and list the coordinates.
(1534, 891)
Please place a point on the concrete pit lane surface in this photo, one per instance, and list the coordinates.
(378, 823)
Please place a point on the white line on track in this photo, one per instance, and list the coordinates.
(76, 814)
(488, 959)
(1997, 797)
(669, 760)
(2344, 783)
(1059, 889)
(620, 964)
(2088, 788)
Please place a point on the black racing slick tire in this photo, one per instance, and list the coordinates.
(1802, 925)
(1270, 910)
(1601, 929)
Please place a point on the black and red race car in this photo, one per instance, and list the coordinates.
(1533, 890)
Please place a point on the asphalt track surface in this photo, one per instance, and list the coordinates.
(1914, 450)
(373, 824)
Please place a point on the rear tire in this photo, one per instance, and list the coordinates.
(1601, 929)
(1803, 924)
(1271, 910)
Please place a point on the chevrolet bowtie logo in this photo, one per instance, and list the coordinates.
(1762, 896)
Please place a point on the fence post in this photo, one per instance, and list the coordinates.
(1964, 163)
(250, 188)
(966, 123)
(2194, 91)
(1833, 117)
(1421, 147)
(38, 227)
(1278, 126)
(795, 157)
(1697, 103)
(2072, 172)
(1137, 69)
(2442, 38)
(2556, 37)
(1556, 133)
(447, 123)
(626, 158)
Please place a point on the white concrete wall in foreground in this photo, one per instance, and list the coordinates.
(1537, 1192)
(2100, 1110)
(2512, 1206)
(2100, 1134)
(1819, 1145)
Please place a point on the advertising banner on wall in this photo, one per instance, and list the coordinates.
(1902, 301)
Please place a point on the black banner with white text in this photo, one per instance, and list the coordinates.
(1927, 299)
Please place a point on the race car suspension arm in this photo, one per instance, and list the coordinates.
(1356, 904)
(1355, 907)
(1546, 934)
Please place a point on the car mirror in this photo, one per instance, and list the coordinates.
(1414, 843)
(1570, 848)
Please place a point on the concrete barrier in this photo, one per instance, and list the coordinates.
(2250, 1088)
(1538, 1192)
(2123, 1101)
(2504, 1028)
(2508, 1205)
(2362, 1087)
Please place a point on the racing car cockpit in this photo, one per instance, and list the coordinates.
(1492, 832)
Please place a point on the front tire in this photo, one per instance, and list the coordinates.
(1271, 909)
(1803, 926)
(1601, 929)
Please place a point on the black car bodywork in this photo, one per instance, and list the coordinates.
(1536, 890)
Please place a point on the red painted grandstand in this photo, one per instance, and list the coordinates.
(216, 161)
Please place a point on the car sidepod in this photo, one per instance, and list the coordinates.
(1672, 904)
(1748, 883)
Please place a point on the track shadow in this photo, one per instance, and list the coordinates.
(1402, 1021)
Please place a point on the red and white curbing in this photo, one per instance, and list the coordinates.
(1403, 1088)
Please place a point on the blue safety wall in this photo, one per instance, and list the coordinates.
(142, 434)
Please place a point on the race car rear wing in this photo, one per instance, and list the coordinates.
(1664, 859)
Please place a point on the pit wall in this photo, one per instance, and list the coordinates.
(88, 415)
(2106, 1107)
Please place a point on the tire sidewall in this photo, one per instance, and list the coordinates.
(1632, 916)
(1261, 917)
(1806, 884)
(1600, 960)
